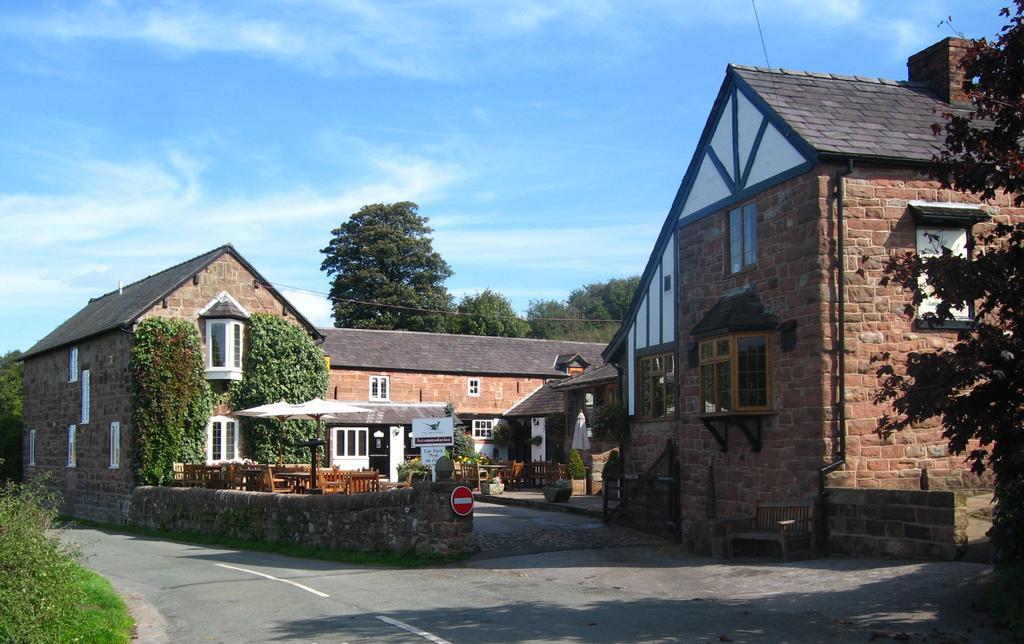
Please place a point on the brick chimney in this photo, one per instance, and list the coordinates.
(939, 67)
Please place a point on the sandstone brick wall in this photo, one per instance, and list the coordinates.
(896, 523)
(418, 519)
(497, 393)
(91, 489)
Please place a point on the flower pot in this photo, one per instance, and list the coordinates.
(492, 489)
(556, 494)
(579, 487)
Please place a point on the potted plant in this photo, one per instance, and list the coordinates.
(493, 487)
(577, 473)
(559, 492)
(536, 441)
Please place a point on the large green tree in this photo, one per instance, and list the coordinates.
(11, 412)
(976, 388)
(574, 318)
(384, 255)
(282, 363)
(487, 313)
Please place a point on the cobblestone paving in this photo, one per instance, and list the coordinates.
(595, 535)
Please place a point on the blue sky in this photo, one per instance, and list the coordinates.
(544, 139)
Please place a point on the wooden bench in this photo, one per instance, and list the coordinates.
(782, 521)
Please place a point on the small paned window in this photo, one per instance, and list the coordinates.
(474, 386)
(379, 387)
(115, 445)
(225, 343)
(221, 439)
(931, 242)
(483, 429)
(741, 225)
(657, 385)
(86, 394)
(72, 446)
(734, 374)
(32, 447)
(350, 441)
(73, 364)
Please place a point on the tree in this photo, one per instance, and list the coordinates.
(384, 254)
(282, 363)
(488, 313)
(976, 387)
(11, 411)
(598, 301)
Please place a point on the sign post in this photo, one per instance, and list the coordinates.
(432, 436)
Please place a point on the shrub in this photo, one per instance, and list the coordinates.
(416, 467)
(575, 469)
(611, 422)
(613, 465)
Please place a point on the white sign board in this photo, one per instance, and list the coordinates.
(430, 453)
(433, 431)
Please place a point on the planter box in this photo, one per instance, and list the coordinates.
(492, 489)
(556, 494)
(579, 487)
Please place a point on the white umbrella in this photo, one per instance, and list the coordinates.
(319, 409)
(315, 409)
(580, 440)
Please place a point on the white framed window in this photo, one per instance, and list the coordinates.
(380, 387)
(72, 446)
(221, 440)
(473, 386)
(930, 243)
(32, 447)
(86, 394)
(224, 345)
(483, 429)
(73, 364)
(115, 445)
(350, 441)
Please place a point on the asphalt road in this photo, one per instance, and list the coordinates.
(188, 593)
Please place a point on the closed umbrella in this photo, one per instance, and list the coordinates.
(580, 440)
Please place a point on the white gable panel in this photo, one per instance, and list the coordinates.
(748, 122)
(721, 141)
(707, 188)
(774, 156)
(654, 316)
(668, 302)
(641, 324)
(630, 373)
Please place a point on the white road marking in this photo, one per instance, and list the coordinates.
(412, 629)
(292, 583)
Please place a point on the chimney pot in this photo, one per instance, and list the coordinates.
(939, 67)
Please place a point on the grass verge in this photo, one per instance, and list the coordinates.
(383, 559)
(101, 616)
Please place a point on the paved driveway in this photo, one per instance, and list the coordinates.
(649, 593)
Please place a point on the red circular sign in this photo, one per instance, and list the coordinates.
(462, 501)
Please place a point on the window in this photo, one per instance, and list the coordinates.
(72, 446)
(734, 374)
(224, 345)
(350, 441)
(379, 386)
(474, 386)
(221, 439)
(85, 396)
(115, 445)
(483, 429)
(657, 384)
(73, 364)
(741, 225)
(32, 447)
(930, 243)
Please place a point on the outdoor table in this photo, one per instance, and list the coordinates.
(297, 481)
(501, 471)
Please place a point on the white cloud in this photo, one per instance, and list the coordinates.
(316, 308)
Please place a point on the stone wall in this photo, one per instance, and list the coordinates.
(896, 523)
(418, 519)
(497, 393)
(91, 488)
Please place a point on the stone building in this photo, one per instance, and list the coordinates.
(749, 342)
(77, 388)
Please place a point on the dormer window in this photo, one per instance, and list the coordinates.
(225, 337)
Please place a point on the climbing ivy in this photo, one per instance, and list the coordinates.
(282, 363)
(171, 400)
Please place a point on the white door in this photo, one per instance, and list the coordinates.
(397, 450)
(349, 448)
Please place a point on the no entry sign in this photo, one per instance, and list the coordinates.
(462, 500)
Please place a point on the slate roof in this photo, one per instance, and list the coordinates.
(604, 373)
(740, 311)
(543, 402)
(440, 352)
(122, 308)
(390, 414)
(852, 115)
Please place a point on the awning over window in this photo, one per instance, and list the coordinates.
(741, 311)
(936, 213)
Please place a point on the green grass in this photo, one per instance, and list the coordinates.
(384, 559)
(101, 616)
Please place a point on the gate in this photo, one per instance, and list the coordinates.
(648, 501)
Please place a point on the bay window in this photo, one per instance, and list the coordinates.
(734, 374)
(224, 344)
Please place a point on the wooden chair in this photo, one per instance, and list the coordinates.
(554, 472)
(193, 475)
(333, 481)
(782, 521)
(273, 483)
(471, 475)
(536, 471)
(359, 482)
(177, 474)
(515, 477)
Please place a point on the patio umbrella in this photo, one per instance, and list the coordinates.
(319, 409)
(580, 440)
(310, 410)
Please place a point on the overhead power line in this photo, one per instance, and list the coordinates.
(417, 309)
